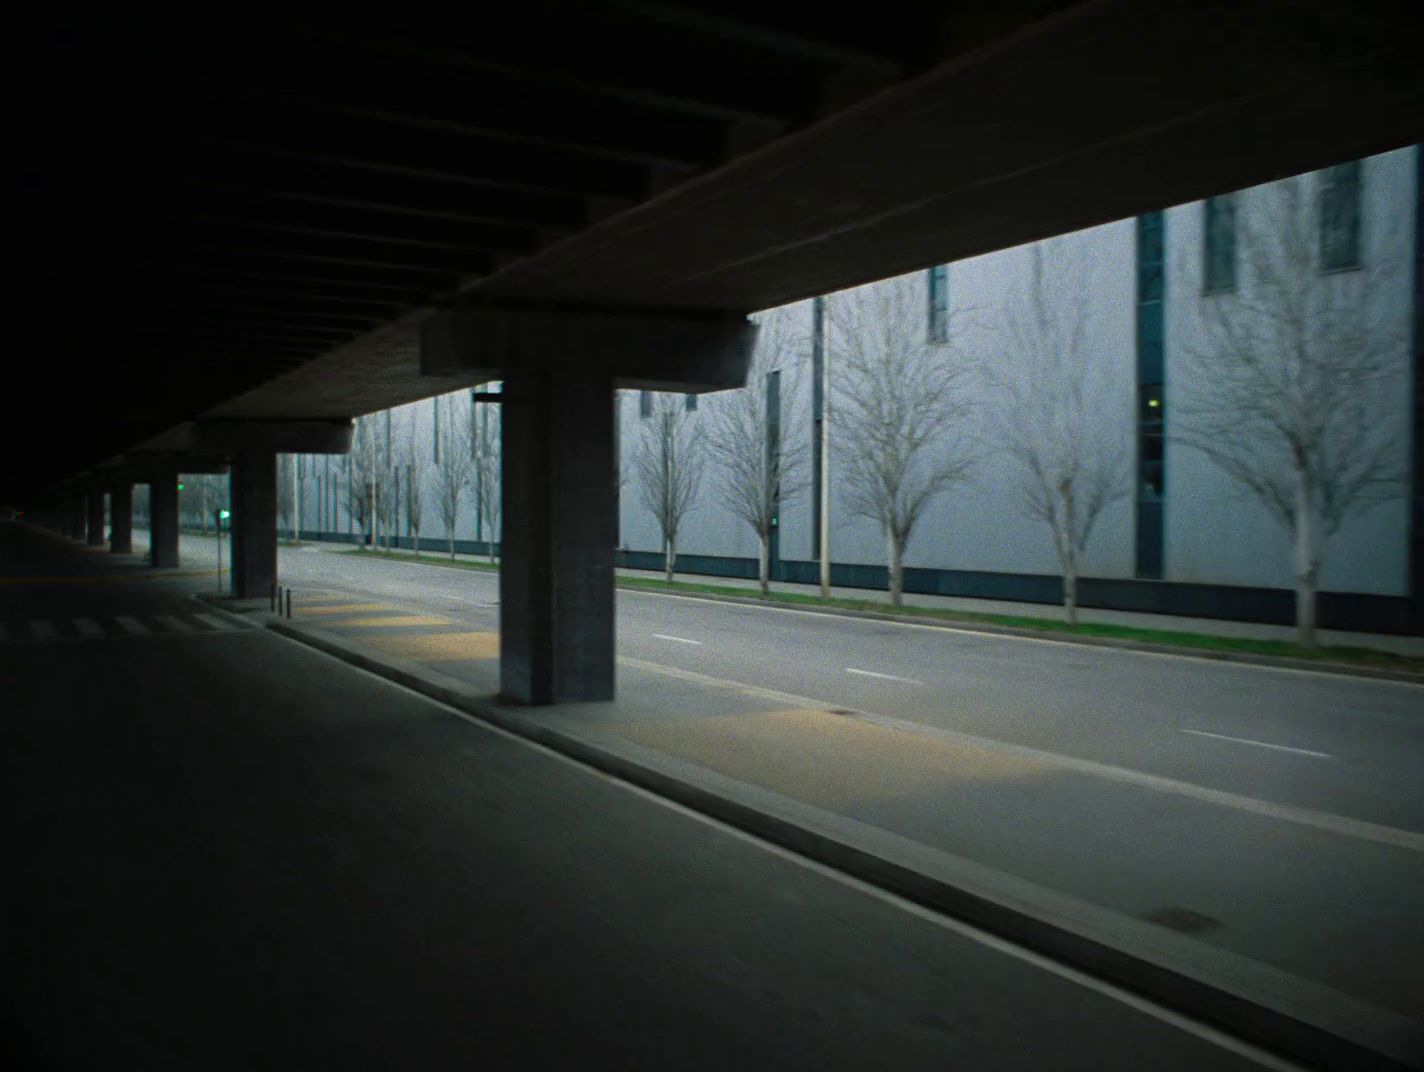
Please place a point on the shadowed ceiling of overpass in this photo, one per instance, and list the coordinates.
(246, 213)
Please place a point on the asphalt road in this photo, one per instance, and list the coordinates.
(1279, 812)
(225, 850)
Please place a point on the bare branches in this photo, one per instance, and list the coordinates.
(485, 451)
(761, 470)
(456, 462)
(901, 409)
(669, 467)
(1287, 375)
(1073, 456)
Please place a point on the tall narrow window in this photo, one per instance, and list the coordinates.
(435, 429)
(1219, 224)
(1340, 217)
(689, 401)
(937, 328)
(645, 403)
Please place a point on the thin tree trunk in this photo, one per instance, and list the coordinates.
(670, 558)
(1070, 587)
(452, 543)
(897, 571)
(764, 565)
(1306, 563)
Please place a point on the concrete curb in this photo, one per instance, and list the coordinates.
(1173, 974)
(1279, 661)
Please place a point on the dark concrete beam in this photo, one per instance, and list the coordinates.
(274, 436)
(655, 350)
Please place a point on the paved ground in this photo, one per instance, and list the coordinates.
(1405, 645)
(1274, 814)
(227, 851)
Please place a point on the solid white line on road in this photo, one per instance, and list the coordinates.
(88, 627)
(178, 625)
(1261, 744)
(678, 639)
(887, 677)
(43, 630)
(134, 626)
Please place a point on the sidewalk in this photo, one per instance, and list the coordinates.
(1402, 645)
(1309, 949)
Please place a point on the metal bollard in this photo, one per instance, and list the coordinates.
(272, 599)
(289, 604)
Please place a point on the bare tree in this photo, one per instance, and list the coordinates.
(286, 490)
(485, 443)
(1284, 386)
(761, 470)
(414, 457)
(1073, 453)
(669, 466)
(362, 462)
(903, 410)
(455, 463)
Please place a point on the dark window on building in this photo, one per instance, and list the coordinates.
(1340, 217)
(689, 401)
(645, 403)
(937, 327)
(1151, 407)
(1219, 224)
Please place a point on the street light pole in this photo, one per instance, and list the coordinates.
(825, 489)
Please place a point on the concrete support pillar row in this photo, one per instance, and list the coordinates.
(96, 518)
(163, 520)
(254, 522)
(121, 519)
(556, 578)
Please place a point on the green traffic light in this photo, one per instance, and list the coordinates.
(180, 487)
(224, 514)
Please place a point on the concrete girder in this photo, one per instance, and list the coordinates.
(653, 350)
(237, 437)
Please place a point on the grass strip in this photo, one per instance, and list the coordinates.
(1356, 656)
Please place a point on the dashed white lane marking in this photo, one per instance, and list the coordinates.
(134, 626)
(43, 630)
(1260, 744)
(678, 639)
(178, 625)
(1412, 840)
(213, 620)
(884, 677)
(88, 627)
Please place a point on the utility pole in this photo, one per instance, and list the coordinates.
(825, 489)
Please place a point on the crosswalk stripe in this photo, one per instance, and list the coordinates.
(134, 626)
(214, 621)
(88, 627)
(43, 630)
(178, 625)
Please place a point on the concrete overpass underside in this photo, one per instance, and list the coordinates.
(256, 215)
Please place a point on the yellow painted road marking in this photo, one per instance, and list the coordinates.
(438, 647)
(830, 760)
(343, 609)
(392, 619)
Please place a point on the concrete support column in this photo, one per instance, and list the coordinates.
(96, 518)
(121, 519)
(77, 519)
(556, 577)
(254, 523)
(163, 521)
